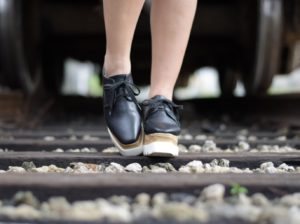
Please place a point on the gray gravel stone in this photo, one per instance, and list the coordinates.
(195, 148)
(259, 199)
(224, 163)
(157, 169)
(143, 199)
(181, 207)
(208, 146)
(243, 146)
(114, 168)
(26, 198)
(286, 167)
(213, 193)
(28, 166)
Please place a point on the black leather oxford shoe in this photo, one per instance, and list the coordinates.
(122, 114)
(161, 127)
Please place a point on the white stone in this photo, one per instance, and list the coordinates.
(195, 148)
(143, 199)
(201, 137)
(55, 169)
(209, 145)
(168, 166)
(213, 193)
(114, 168)
(73, 150)
(291, 200)
(271, 170)
(245, 212)
(16, 169)
(69, 170)
(243, 199)
(110, 150)
(49, 138)
(286, 167)
(185, 169)
(157, 169)
(224, 163)
(26, 197)
(182, 149)
(86, 150)
(241, 138)
(159, 198)
(244, 146)
(235, 170)
(207, 166)
(188, 137)
(252, 138)
(89, 138)
(265, 165)
(42, 169)
(20, 212)
(180, 212)
(259, 199)
(281, 138)
(85, 210)
(134, 167)
(214, 163)
(195, 163)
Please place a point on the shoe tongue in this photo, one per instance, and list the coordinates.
(159, 97)
(119, 78)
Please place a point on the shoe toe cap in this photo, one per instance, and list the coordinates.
(126, 129)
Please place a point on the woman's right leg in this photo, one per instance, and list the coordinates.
(120, 17)
(121, 110)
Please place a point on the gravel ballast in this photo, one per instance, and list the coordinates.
(195, 166)
(209, 205)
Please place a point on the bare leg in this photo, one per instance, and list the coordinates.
(120, 18)
(171, 22)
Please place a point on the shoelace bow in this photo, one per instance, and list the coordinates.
(122, 88)
(160, 104)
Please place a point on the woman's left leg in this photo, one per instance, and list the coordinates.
(171, 22)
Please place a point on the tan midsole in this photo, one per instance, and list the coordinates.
(160, 137)
(136, 144)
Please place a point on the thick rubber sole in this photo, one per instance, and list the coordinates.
(134, 151)
(161, 149)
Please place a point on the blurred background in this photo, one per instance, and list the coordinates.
(238, 48)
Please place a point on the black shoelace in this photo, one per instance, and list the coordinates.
(161, 104)
(124, 89)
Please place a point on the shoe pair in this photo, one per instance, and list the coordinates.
(151, 128)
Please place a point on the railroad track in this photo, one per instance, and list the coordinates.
(263, 159)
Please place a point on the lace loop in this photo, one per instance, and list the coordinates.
(122, 88)
(160, 104)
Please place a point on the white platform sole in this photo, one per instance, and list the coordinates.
(161, 149)
(127, 152)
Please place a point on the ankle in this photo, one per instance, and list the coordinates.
(168, 95)
(116, 66)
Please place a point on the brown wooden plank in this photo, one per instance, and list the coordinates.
(40, 144)
(66, 133)
(91, 186)
(241, 160)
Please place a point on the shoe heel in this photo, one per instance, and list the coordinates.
(161, 145)
(133, 149)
